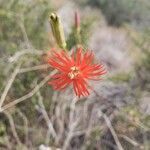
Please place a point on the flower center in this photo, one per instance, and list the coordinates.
(74, 72)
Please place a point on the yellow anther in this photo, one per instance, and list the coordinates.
(74, 72)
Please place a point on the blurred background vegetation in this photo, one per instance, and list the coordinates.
(122, 29)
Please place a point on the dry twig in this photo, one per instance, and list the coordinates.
(8, 86)
(46, 117)
(72, 124)
(25, 121)
(109, 125)
(13, 129)
(30, 94)
(38, 67)
(18, 54)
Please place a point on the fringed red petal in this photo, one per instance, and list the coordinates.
(76, 69)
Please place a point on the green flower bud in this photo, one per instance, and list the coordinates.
(57, 30)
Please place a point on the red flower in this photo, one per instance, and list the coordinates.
(75, 69)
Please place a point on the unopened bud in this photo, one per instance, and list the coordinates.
(57, 30)
(77, 20)
(77, 27)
